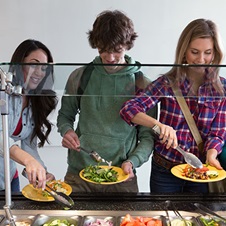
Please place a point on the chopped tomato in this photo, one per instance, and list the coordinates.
(195, 173)
(202, 170)
(147, 219)
(130, 224)
(151, 223)
(128, 220)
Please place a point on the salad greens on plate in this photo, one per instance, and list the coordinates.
(99, 174)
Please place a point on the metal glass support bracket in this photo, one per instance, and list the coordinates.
(6, 89)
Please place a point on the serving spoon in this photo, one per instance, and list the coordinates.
(189, 158)
(95, 155)
(60, 197)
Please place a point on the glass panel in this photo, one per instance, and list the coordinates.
(42, 79)
(58, 74)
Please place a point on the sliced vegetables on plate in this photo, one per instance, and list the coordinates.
(102, 174)
(206, 174)
(99, 174)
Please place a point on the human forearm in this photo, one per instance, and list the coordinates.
(66, 115)
(144, 120)
(35, 171)
(19, 155)
(167, 133)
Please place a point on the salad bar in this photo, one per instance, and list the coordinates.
(97, 209)
(112, 218)
(57, 205)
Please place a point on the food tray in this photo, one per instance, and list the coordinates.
(92, 220)
(159, 217)
(41, 219)
(176, 220)
(25, 220)
(208, 218)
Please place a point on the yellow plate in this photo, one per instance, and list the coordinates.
(178, 170)
(36, 193)
(121, 176)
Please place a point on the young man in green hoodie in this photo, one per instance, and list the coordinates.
(112, 81)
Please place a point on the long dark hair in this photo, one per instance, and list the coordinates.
(43, 101)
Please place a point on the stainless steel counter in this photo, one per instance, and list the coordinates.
(22, 215)
(117, 205)
(30, 215)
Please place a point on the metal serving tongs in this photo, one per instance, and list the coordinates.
(165, 208)
(94, 155)
(177, 213)
(61, 198)
(206, 211)
(189, 158)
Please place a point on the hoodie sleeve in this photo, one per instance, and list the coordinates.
(145, 145)
(69, 103)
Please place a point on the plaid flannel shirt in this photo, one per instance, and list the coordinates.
(208, 110)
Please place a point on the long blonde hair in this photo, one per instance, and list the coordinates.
(199, 28)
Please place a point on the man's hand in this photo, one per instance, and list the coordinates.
(127, 167)
(70, 140)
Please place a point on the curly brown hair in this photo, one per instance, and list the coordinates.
(112, 29)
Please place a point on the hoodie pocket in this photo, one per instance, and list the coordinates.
(109, 148)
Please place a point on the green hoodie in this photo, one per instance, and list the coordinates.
(100, 127)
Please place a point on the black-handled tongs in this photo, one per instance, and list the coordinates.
(61, 198)
(206, 211)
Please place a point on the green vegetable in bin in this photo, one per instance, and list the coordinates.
(98, 174)
(208, 221)
(58, 222)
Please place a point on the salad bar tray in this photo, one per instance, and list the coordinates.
(120, 209)
(105, 218)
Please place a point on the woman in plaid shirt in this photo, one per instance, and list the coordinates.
(204, 92)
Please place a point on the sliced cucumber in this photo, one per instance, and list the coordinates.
(212, 173)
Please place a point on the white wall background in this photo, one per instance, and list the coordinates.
(62, 26)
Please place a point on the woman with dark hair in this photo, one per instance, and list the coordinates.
(28, 113)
